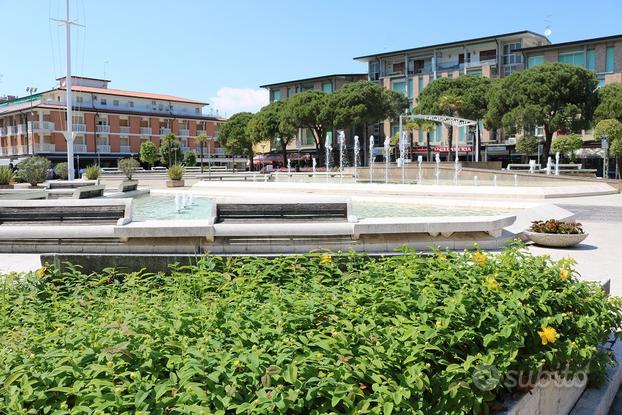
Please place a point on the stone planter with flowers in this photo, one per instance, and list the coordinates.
(555, 233)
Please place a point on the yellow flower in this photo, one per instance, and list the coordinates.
(479, 259)
(548, 335)
(41, 272)
(438, 324)
(236, 363)
(442, 258)
(326, 259)
(492, 283)
(564, 274)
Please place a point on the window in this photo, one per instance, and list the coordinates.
(475, 72)
(153, 103)
(399, 87)
(102, 101)
(309, 138)
(308, 87)
(572, 58)
(462, 134)
(488, 55)
(510, 57)
(197, 110)
(398, 67)
(289, 92)
(591, 60)
(437, 136)
(327, 87)
(421, 137)
(421, 86)
(410, 88)
(276, 95)
(79, 100)
(609, 59)
(461, 58)
(131, 103)
(535, 60)
(160, 107)
(115, 103)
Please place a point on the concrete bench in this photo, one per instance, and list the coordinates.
(128, 185)
(522, 166)
(232, 176)
(66, 184)
(22, 194)
(30, 212)
(283, 212)
(87, 192)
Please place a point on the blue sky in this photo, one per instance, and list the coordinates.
(221, 51)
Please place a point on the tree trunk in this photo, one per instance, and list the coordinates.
(284, 152)
(201, 156)
(427, 139)
(251, 156)
(546, 148)
(450, 140)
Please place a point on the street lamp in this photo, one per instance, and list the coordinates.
(30, 90)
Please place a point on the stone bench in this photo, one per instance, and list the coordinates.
(87, 192)
(512, 166)
(73, 184)
(67, 211)
(128, 185)
(283, 212)
(22, 194)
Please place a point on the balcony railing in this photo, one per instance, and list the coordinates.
(145, 130)
(164, 131)
(103, 129)
(21, 129)
(41, 126)
(125, 149)
(45, 148)
(11, 130)
(201, 132)
(103, 148)
(79, 128)
(2, 131)
(184, 132)
(22, 149)
(3, 151)
(124, 130)
(79, 148)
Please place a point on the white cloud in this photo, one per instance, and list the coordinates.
(230, 100)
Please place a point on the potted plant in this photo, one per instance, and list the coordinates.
(127, 167)
(34, 170)
(92, 173)
(62, 170)
(6, 176)
(175, 174)
(555, 233)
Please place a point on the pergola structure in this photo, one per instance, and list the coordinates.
(442, 119)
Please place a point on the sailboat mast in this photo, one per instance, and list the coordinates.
(69, 102)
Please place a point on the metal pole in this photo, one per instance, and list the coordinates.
(69, 136)
(477, 142)
(401, 142)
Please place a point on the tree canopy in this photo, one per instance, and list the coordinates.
(553, 95)
(309, 109)
(270, 124)
(170, 150)
(148, 153)
(610, 103)
(527, 144)
(234, 135)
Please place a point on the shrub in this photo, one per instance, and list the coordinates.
(176, 172)
(170, 150)
(34, 170)
(92, 172)
(567, 143)
(190, 158)
(312, 334)
(148, 153)
(6, 175)
(128, 166)
(555, 226)
(62, 170)
(527, 144)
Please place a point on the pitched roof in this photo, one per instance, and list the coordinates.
(574, 42)
(315, 78)
(145, 95)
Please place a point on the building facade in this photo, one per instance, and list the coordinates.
(410, 71)
(282, 90)
(108, 124)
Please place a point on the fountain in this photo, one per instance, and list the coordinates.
(289, 170)
(387, 148)
(516, 180)
(403, 155)
(557, 163)
(356, 157)
(371, 158)
(313, 168)
(342, 144)
(178, 203)
(456, 170)
(329, 149)
(475, 180)
(420, 174)
(437, 171)
(548, 166)
(494, 180)
(532, 166)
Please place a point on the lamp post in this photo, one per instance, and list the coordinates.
(31, 90)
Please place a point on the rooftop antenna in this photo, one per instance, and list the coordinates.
(547, 30)
(69, 134)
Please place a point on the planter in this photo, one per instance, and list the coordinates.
(128, 185)
(555, 240)
(175, 183)
(6, 186)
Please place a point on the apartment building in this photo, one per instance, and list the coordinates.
(409, 71)
(282, 90)
(108, 124)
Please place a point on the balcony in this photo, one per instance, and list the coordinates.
(79, 148)
(11, 130)
(45, 148)
(102, 129)
(103, 148)
(2, 131)
(164, 131)
(145, 130)
(184, 132)
(4, 151)
(41, 126)
(201, 132)
(124, 130)
(79, 128)
(125, 149)
(23, 149)
(21, 129)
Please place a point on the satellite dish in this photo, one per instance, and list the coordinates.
(547, 31)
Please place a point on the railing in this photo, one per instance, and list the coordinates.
(11, 130)
(184, 132)
(219, 151)
(21, 129)
(41, 126)
(79, 148)
(45, 148)
(79, 127)
(103, 148)
(2, 131)
(145, 130)
(3, 151)
(201, 132)
(125, 149)
(124, 130)
(22, 149)
(105, 129)
(164, 131)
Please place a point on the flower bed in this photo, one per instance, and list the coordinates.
(313, 334)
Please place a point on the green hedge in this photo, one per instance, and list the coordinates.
(299, 335)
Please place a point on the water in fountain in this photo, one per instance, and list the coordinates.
(329, 150)
(532, 166)
(190, 199)
(289, 170)
(387, 147)
(178, 203)
(516, 180)
(557, 164)
(475, 180)
(342, 145)
(371, 158)
(314, 165)
(403, 155)
(420, 173)
(456, 170)
(494, 180)
(548, 166)
(357, 149)
(437, 171)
